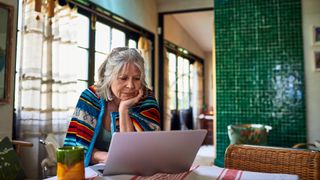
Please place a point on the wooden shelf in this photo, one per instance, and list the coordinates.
(206, 122)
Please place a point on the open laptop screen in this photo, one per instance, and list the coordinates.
(147, 153)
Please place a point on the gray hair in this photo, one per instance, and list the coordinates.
(111, 67)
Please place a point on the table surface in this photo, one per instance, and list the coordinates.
(198, 172)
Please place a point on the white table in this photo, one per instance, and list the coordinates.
(199, 172)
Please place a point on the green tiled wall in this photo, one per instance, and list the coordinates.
(259, 65)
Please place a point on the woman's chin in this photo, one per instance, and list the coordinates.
(124, 98)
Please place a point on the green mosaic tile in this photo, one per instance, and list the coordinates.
(259, 69)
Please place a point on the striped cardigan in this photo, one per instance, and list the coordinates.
(89, 113)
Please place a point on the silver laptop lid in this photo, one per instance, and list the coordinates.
(147, 153)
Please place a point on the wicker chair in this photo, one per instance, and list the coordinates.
(304, 163)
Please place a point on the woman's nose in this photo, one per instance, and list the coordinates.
(130, 84)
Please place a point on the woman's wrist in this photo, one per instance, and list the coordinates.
(123, 108)
(125, 120)
(99, 156)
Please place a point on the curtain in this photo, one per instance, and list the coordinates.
(166, 94)
(145, 46)
(45, 80)
(197, 93)
(46, 77)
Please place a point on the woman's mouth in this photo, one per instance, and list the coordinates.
(129, 94)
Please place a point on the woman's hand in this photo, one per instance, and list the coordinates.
(126, 104)
(98, 156)
(124, 118)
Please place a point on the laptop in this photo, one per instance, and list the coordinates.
(147, 153)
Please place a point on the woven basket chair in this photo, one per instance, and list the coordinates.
(304, 163)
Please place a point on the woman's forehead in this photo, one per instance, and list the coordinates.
(130, 68)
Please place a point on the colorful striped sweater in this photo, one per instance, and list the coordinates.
(89, 113)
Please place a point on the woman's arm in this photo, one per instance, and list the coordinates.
(145, 115)
(83, 123)
(125, 121)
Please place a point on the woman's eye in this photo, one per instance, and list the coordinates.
(123, 78)
(137, 79)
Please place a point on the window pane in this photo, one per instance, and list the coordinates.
(172, 62)
(186, 100)
(180, 65)
(180, 100)
(132, 43)
(183, 80)
(172, 99)
(82, 23)
(180, 83)
(118, 38)
(99, 58)
(102, 38)
(191, 78)
(82, 63)
(191, 99)
(185, 83)
(19, 26)
(186, 66)
(172, 81)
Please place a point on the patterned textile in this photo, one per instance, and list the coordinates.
(197, 172)
(178, 176)
(10, 164)
(218, 173)
(89, 113)
(214, 172)
(230, 174)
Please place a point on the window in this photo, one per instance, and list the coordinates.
(57, 59)
(180, 78)
(102, 45)
(132, 43)
(107, 38)
(185, 70)
(107, 35)
(183, 76)
(82, 54)
(118, 38)
(172, 80)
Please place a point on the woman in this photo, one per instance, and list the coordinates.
(118, 102)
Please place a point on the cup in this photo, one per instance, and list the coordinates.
(70, 163)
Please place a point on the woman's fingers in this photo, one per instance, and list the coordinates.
(137, 98)
(130, 102)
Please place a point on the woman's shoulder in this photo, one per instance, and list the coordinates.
(148, 98)
(149, 93)
(89, 101)
(91, 93)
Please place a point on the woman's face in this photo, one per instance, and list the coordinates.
(127, 83)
